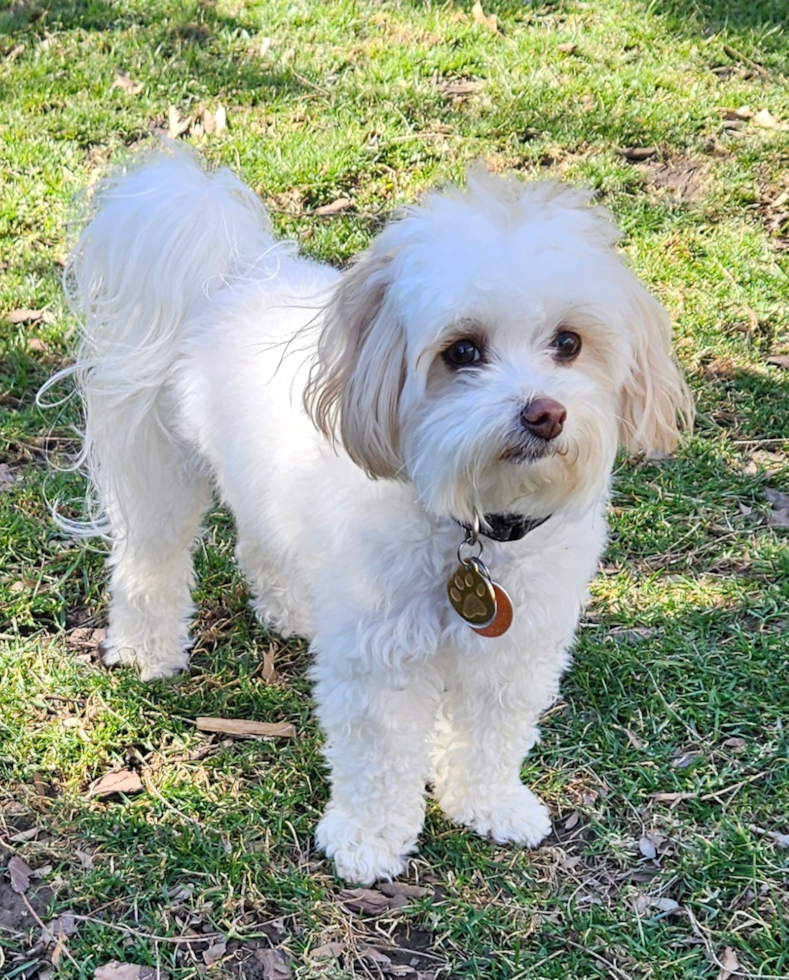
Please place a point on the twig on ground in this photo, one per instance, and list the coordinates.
(736, 55)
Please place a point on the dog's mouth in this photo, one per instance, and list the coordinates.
(530, 450)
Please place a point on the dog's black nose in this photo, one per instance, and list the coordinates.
(544, 418)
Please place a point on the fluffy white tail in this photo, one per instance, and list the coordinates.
(162, 237)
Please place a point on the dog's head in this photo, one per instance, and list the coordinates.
(492, 348)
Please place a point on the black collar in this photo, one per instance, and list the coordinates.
(507, 527)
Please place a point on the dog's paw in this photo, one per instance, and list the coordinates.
(517, 817)
(359, 857)
(154, 661)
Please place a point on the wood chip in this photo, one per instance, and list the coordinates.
(24, 316)
(240, 727)
(639, 152)
(459, 87)
(341, 204)
(124, 781)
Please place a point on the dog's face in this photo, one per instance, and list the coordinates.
(492, 348)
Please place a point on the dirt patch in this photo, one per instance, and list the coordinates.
(774, 212)
(680, 181)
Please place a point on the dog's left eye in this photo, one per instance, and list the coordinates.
(462, 353)
(567, 345)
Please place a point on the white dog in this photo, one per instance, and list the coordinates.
(477, 367)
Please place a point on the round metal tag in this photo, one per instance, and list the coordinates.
(472, 595)
(502, 619)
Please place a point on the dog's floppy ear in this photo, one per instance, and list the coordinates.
(354, 387)
(655, 401)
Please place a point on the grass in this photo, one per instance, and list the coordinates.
(665, 761)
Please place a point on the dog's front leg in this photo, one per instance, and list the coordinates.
(487, 724)
(378, 720)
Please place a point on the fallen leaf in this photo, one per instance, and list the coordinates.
(275, 964)
(645, 903)
(177, 124)
(572, 820)
(729, 964)
(686, 758)
(62, 925)
(486, 20)
(566, 48)
(766, 120)
(85, 637)
(268, 671)
(122, 80)
(7, 478)
(20, 873)
(341, 204)
(214, 122)
(128, 971)
(776, 498)
(743, 112)
(327, 951)
(392, 888)
(85, 859)
(735, 744)
(239, 727)
(779, 515)
(373, 955)
(634, 740)
(633, 636)
(459, 87)
(124, 781)
(24, 835)
(779, 360)
(37, 345)
(214, 953)
(366, 900)
(647, 848)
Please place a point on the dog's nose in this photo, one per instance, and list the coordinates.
(544, 417)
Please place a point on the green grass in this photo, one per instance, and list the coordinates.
(680, 682)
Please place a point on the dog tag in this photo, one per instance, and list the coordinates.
(502, 619)
(473, 595)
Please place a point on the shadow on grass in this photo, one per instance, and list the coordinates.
(187, 33)
(718, 14)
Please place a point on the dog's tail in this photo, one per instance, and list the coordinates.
(162, 237)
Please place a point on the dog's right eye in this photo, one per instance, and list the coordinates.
(462, 353)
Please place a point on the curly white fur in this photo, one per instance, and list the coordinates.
(348, 469)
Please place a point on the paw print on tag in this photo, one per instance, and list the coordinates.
(472, 595)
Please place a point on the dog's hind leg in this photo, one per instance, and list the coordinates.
(152, 540)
